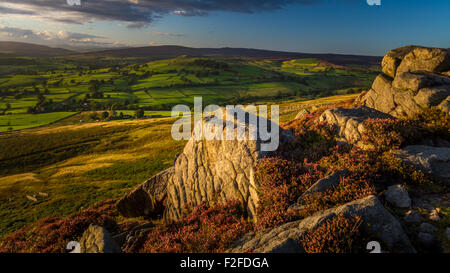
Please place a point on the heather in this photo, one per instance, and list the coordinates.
(316, 153)
(337, 235)
(283, 177)
(208, 228)
(51, 235)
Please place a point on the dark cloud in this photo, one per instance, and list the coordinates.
(6, 10)
(17, 32)
(140, 13)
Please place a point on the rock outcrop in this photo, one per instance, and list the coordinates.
(432, 160)
(350, 122)
(413, 77)
(302, 113)
(218, 170)
(376, 220)
(147, 199)
(96, 239)
(207, 170)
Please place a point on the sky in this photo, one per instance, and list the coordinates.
(311, 26)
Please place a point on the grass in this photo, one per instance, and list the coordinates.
(112, 159)
(25, 121)
(158, 85)
(80, 164)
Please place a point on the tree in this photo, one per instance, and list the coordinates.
(105, 115)
(139, 113)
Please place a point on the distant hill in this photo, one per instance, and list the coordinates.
(161, 52)
(31, 50)
(164, 52)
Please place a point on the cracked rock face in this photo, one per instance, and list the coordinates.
(413, 77)
(349, 122)
(207, 170)
(147, 199)
(376, 220)
(217, 170)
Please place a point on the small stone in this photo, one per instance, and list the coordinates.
(32, 198)
(302, 113)
(397, 196)
(428, 228)
(97, 239)
(324, 184)
(426, 239)
(296, 208)
(413, 217)
(434, 216)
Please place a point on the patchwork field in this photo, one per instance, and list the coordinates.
(71, 85)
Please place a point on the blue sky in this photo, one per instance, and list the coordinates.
(327, 26)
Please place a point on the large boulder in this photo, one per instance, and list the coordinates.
(413, 78)
(376, 220)
(350, 122)
(415, 58)
(432, 160)
(393, 59)
(427, 59)
(147, 199)
(97, 239)
(219, 170)
(209, 169)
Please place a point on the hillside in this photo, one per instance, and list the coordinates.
(69, 161)
(31, 50)
(347, 174)
(164, 52)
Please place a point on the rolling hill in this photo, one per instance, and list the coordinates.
(169, 51)
(31, 50)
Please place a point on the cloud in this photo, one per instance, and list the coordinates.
(137, 13)
(50, 37)
(166, 34)
(6, 10)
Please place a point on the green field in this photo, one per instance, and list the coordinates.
(25, 121)
(61, 85)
